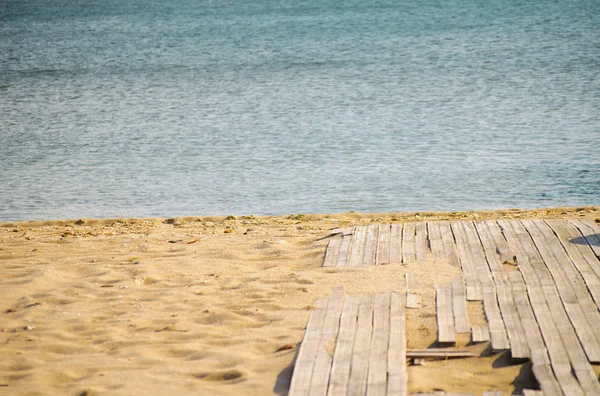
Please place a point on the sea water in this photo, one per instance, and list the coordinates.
(196, 107)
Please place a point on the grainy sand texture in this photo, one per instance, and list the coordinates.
(203, 305)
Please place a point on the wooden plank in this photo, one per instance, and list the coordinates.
(377, 376)
(493, 393)
(459, 306)
(396, 244)
(449, 243)
(544, 375)
(435, 240)
(413, 297)
(408, 243)
(383, 245)
(579, 306)
(359, 367)
(371, 245)
(340, 368)
(345, 248)
(358, 247)
(322, 366)
(421, 242)
(307, 355)
(508, 309)
(590, 232)
(467, 263)
(480, 334)
(332, 252)
(445, 318)
(581, 255)
(443, 353)
(397, 377)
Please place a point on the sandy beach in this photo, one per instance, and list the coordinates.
(205, 305)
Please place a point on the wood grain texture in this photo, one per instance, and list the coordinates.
(408, 243)
(383, 245)
(421, 242)
(459, 306)
(396, 244)
(590, 232)
(340, 368)
(445, 317)
(371, 245)
(345, 248)
(359, 368)
(332, 252)
(397, 376)
(377, 377)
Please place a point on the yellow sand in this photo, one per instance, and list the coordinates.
(200, 305)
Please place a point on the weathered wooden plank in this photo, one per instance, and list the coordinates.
(413, 297)
(443, 353)
(371, 245)
(544, 375)
(345, 248)
(359, 368)
(449, 243)
(581, 255)
(397, 377)
(340, 368)
(383, 245)
(590, 232)
(421, 242)
(579, 306)
(436, 244)
(332, 252)
(493, 393)
(307, 355)
(508, 310)
(358, 247)
(480, 334)
(459, 306)
(445, 318)
(377, 376)
(474, 289)
(322, 366)
(396, 244)
(408, 243)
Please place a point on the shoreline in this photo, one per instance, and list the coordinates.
(215, 305)
(510, 213)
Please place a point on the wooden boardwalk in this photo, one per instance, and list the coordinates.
(353, 345)
(539, 281)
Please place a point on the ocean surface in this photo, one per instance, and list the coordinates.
(194, 107)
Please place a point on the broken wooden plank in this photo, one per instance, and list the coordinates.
(445, 317)
(408, 243)
(340, 368)
(421, 243)
(371, 245)
(322, 366)
(396, 244)
(383, 245)
(413, 297)
(307, 354)
(397, 376)
(377, 376)
(359, 366)
(480, 334)
(459, 306)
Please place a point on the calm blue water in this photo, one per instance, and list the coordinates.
(193, 107)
